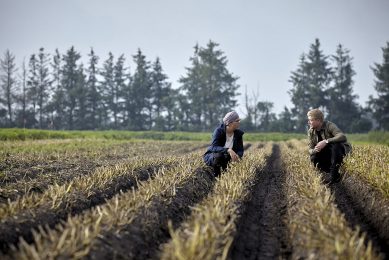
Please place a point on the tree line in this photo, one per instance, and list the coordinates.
(325, 82)
(57, 91)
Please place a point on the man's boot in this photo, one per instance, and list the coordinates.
(335, 176)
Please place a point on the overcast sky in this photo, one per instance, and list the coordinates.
(263, 40)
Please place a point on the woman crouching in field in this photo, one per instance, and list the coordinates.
(226, 145)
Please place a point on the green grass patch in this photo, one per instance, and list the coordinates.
(13, 134)
(377, 137)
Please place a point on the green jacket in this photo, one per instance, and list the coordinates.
(330, 132)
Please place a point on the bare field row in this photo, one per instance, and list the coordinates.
(166, 204)
(25, 173)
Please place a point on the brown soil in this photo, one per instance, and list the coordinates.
(262, 231)
(142, 238)
(36, 176)
(365, 207)
(246, 146)
(21, 225)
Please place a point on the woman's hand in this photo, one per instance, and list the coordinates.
(234, 156)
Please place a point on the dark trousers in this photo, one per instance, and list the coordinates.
(330, 158)
(220, 161)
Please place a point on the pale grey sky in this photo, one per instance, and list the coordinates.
(262, 40)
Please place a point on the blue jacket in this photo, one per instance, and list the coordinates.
(219, 140)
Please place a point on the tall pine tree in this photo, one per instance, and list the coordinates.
(342, 107)
(140, 92)
(380, 104)
(300, 94)
(120, 78)
(33, 85)
(22, 116)
(93, 98)
(81, 100)
(8, 84)
(310, 84)
(44, 84)
(210, 88)
(57, 104)
(161, 96)
(70, 78)
(107, 89)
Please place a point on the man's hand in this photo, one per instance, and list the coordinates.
(320, 145)
(234, 156)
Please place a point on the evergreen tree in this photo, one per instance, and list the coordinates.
(266, 117)
(81, 107)
(342, 107)
(319, 75)
(300, 95)
(22, 98)
(170, 103)
(69, 82)
(140, 91)
(8, 84)
(193, 88)
(24, 116)
(161, 95)
(33, 84)
(128, 102)
(93, 97)
(43, 85)
(107, 89)
(219, 82)
(380, 105)
(209, 87)
(119, 91)
(310, 84)
(58, 102)
(182, 113)
(285, 122)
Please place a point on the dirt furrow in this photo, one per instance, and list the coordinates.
(262, 231)
(366, 208)
(142, 238)
(21, 225)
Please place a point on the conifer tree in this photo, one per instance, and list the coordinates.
(107, 89)
(300, 94)
(342, 107)
(310, 84)
(192, 87)
(43, 85)
(266, 117)
(210, 88)
(70, 78)
(161, 95)
(319, 76)
(285, 122)
(380, 104)
(81, 100)
(22, 117)
(33, 84)
(120, 78)
(8, 84)
(93, 97)
(57, 104)
(140, 92)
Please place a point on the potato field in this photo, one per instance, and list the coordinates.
(145, 199)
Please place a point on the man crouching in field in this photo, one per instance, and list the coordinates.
(327, 144)
(226, 145)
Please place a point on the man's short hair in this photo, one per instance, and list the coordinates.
(316, 114)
